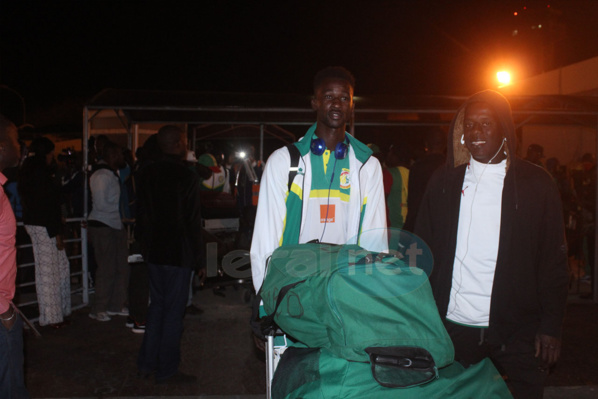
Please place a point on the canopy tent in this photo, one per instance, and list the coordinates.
(139, 113)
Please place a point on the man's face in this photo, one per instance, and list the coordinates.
(482, 133)
(10, 149)
(333, 103)
(534, 156)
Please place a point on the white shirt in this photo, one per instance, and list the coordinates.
(105, 195)
(478, 237)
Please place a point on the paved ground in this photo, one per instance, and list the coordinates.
(93, 359)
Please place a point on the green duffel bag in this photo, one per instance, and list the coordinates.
(311, 373)
(361, 306)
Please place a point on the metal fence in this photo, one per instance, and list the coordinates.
(76, 248)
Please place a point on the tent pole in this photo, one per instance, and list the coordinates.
(130, 138)
(84, 252)
(261, 143)
(595, 265)
(194, 143)
(85, 156)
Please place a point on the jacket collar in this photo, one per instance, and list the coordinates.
(362, 151)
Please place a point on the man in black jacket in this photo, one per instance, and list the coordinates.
(495, 227)
(169, 225)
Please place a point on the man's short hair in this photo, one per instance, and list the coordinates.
(333, 72)
(168, 137)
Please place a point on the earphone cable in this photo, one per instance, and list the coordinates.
(462, 260)
(328, 201)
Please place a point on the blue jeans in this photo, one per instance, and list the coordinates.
(161, 348)
(12, 381)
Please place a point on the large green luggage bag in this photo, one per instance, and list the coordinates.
(319, 374)
(357, 304)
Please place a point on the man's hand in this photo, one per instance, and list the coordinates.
(8, 318)
(201, 275)
(549, 348)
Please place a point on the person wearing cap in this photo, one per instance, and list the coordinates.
(219, 180)
(42, 199)
(12, 381)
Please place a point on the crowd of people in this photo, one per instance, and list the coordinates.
(493, 221)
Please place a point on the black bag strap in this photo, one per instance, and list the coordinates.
(256, 321)
(295, 155)
(268, 324)
(265, 326)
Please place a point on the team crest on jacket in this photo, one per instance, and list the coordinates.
(345, 182)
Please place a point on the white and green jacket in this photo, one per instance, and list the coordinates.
(279, 220)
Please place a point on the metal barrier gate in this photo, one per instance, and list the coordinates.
(75, 242)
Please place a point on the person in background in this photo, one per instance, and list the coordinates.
(219, 181)
(124, 175)
(386, 176)
(42, 199)
(109, 237)
(12, 381)
(169, 224)
(99, 143)
(585, 189)
(495, 227)
(397, 164)
(139, 276)
(72, 182)
(422, 170)
(535, 153)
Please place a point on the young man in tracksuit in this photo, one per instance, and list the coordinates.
(337, 193)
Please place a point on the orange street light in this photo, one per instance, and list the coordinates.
(504, 78)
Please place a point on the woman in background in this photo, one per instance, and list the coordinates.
(41, 200)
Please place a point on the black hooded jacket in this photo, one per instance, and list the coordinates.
(40, 195)
(530, 282)
(168, 214)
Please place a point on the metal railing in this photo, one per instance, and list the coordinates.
(75, 242)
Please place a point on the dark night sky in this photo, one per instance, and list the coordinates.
(63, 52)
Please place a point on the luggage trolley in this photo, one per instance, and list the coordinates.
(276, 340)
(262, 327)
(273, 355)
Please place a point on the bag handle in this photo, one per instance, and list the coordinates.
(265, 326)
(268, 324)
